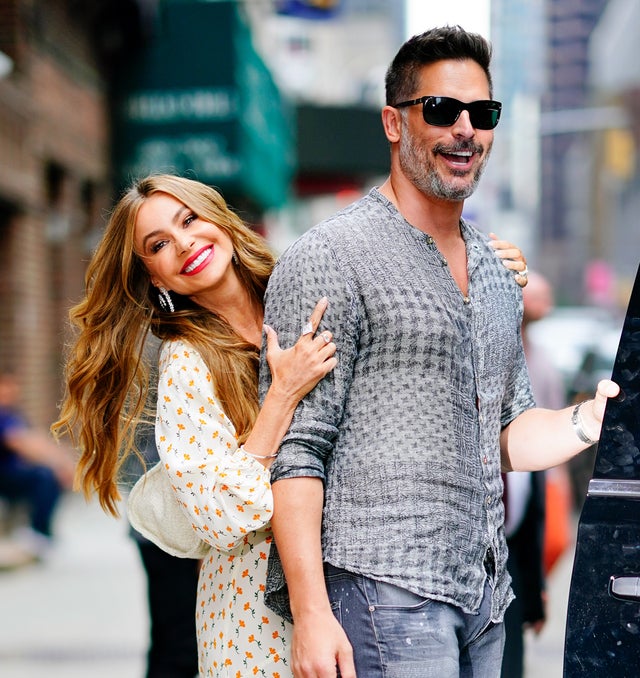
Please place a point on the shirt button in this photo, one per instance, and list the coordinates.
(489, 500)
(466, 300)
(485, 460)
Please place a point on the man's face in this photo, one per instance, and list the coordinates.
(446, 162)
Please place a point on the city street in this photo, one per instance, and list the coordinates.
(83, 612)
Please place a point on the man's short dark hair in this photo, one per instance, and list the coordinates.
(436, 44)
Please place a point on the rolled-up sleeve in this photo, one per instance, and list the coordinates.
(304, 274)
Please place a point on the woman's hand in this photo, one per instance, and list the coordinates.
(512, 258)
(295, 371)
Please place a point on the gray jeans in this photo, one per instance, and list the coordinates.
(398, 634)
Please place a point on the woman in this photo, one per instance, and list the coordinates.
(175, 260)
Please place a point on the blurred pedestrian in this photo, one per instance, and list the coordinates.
(525, 495)
(546, 381)
(176, 260)
(172, 582)
(172, 586)
(387, 487)
(34, 470)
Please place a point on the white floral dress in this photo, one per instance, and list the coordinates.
(227, 496)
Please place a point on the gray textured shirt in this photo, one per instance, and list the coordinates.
(405, 431)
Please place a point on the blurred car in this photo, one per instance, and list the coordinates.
(603, 617)
(596, 364)
(581, 342)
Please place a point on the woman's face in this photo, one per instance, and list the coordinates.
(181, 251)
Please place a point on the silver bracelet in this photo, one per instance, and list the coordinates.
(258, 456)
(578, 426)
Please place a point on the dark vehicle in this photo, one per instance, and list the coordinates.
(603, 619)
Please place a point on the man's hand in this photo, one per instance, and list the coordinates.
(320, 646)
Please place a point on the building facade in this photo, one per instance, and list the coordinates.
(55, 182)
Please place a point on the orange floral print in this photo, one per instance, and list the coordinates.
(227, 496)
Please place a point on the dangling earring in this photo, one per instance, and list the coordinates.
(166, 303)
(234, 258)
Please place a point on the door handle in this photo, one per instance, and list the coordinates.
(625, 588)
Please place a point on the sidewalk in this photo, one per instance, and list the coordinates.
(543, 658)
(82, 614)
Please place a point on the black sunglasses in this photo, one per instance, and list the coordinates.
(444, 111)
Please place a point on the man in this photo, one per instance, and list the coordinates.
(402, 443)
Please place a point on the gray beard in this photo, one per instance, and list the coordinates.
(422, 173)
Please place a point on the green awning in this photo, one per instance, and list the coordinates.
(196, 99)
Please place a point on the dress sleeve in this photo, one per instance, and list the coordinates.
(224, 492)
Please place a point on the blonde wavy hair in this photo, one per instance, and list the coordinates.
(106, 373)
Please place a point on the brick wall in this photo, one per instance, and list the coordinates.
(54, 187)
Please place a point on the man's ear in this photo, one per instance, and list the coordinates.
(391, 123)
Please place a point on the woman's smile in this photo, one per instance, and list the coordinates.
(198, 261)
